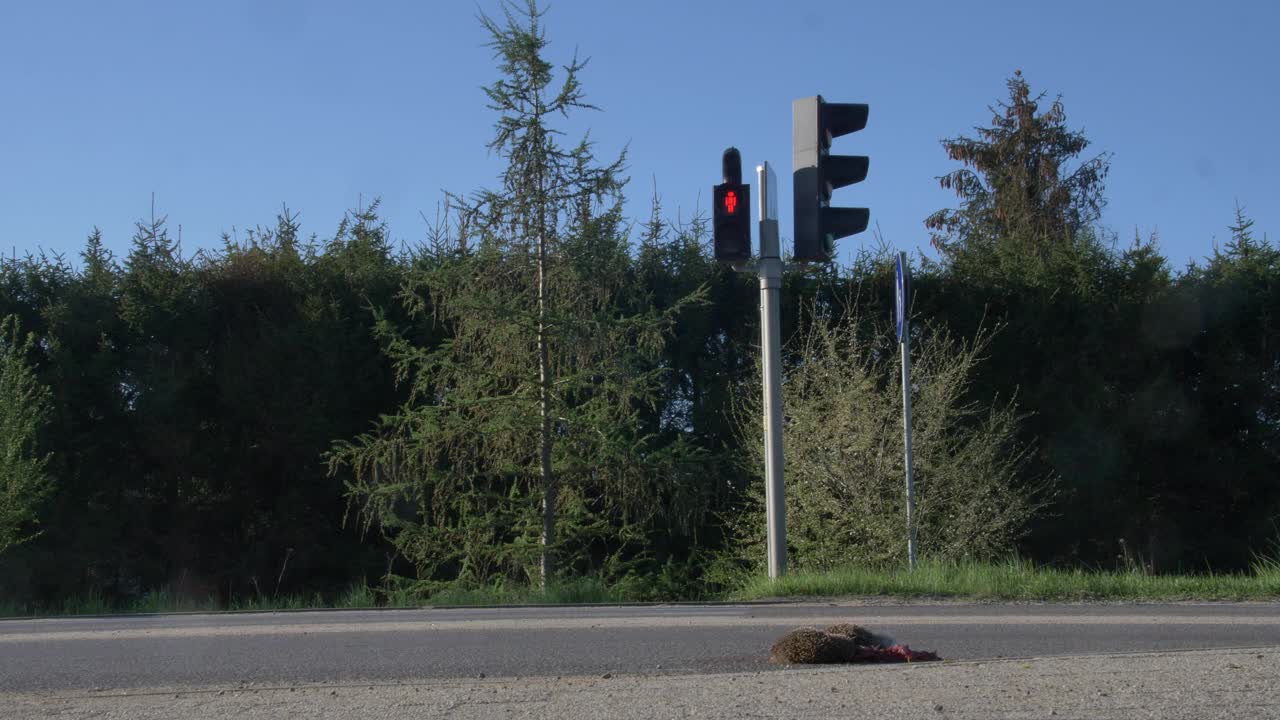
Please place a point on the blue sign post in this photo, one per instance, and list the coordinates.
(902, 296)
(903, 317)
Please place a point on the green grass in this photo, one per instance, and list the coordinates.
(285, 602)
(163, 601)
(1018, 580)
(1010, 580)
(357, 595)
(159, 601)
(576, 590)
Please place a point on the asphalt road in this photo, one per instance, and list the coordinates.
(415, 645)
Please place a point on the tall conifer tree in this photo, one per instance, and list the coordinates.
(520, 440)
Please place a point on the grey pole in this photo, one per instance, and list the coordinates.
(906, 425)
(904, 274)
(770, 273)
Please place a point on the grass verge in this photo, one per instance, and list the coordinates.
(1019, 580)
(577, 590)
(357, 595)
(1011, 580)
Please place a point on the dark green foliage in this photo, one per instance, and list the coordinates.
(525, 435)
(1152, 395)
(24, 409)
(289, 415)
(1015, 187)
(192, 398)
(844, 444)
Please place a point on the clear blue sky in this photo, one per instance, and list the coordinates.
(225, 110)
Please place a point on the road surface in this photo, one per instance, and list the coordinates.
(646, 649)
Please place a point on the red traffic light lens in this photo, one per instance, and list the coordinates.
(731, 202)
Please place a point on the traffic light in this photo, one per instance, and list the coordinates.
(815, 123)
(731, 219)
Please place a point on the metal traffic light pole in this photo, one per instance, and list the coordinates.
(732, 243)
(816, 173)
(770, 273)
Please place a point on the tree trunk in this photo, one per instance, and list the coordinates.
(544, 403)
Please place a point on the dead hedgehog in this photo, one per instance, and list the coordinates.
(841, 643)
(811, 645)
(860, 635)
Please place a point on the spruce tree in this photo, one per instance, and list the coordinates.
(1016, 186)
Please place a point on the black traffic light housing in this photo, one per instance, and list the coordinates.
(815, 123)
(731, 218)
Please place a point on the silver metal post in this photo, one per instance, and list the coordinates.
(770, 273)
(906, 425)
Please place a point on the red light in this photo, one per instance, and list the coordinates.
(731, 202)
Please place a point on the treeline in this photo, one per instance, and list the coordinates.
(290, 414)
